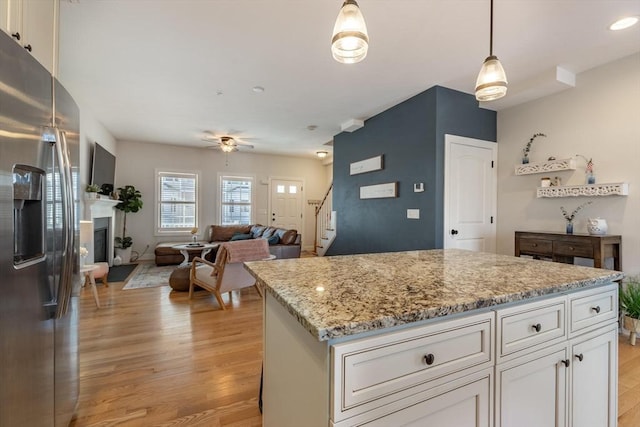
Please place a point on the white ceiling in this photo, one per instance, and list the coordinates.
(165, 71)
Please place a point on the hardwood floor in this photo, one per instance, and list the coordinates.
(150, 357)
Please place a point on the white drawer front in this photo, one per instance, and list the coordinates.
(376, 369)
(467, 401)
(588, 309)
(520, 328)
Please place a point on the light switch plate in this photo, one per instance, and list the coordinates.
(413, 213)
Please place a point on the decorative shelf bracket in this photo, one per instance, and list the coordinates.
(615, 189)
(548, 166)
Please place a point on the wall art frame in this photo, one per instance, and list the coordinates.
(367, 165)
(379, 191)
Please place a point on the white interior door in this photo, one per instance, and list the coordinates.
(286, 204)
(470, 193)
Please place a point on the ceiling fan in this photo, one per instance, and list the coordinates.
(226, 143)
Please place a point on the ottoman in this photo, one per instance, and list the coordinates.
(179, 279)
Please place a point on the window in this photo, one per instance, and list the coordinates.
(236, 195)
(177, 202)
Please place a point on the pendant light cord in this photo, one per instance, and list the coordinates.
(491, 32)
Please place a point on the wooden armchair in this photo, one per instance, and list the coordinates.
(227, 273)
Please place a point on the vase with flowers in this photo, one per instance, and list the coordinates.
(570, 217)
(527, 148)
(589, 175)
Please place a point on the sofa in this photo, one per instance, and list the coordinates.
(283, 243)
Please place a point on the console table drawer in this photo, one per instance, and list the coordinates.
(579, 249)
(536, 246)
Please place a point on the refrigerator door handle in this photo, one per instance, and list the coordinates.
(66, 274)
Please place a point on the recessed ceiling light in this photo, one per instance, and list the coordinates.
(258, 89)
(624, 23)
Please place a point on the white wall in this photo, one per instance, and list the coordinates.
(599, 118)
(91, 131)
(137, 162)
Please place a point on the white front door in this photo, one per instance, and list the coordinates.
(286, 204)
(470, 193)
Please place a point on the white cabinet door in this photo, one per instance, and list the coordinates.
(39, 30)
(11, 16)
(594, 380)
(33, 25)
(532, 390)
(461, 405)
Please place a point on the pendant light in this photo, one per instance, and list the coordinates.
(492, 80)
(350, 41)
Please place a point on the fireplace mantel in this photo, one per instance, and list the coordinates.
(102, 208)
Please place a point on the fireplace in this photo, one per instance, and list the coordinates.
(102, 213)
(100, 239)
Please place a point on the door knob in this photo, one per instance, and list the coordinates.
(454, 232)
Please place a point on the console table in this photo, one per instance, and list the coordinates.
(562, 247)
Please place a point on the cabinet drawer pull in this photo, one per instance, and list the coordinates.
(535, 245)
(16, 35)
(429, 359)
(579, 357)
(537, 327)
(566, 362)
(571, 248)
(28, 47)
(596, 309)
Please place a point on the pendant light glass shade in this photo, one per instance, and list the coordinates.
(492, 80)
(350, 39)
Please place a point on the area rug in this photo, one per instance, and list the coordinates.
(119, 273)
(149, 275)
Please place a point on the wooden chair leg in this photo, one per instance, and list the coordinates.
(219, 298)
(105, 282)
(259, 290)
(190, 288)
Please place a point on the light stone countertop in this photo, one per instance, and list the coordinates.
(346, 295)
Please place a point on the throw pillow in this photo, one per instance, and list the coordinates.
(240, 236)
(273, 240)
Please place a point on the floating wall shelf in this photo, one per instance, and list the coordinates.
(548, 166)
(616, 189)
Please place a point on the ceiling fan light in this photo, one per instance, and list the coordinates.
(492, 80)
(350, 40)
(227, 148)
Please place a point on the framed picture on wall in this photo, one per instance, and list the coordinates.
(379, 191)
(366, 165)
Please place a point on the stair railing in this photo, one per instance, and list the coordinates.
(323, 218)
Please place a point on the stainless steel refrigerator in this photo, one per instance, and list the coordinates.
(39, 141)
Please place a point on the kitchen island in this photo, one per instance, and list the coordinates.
(433, 336)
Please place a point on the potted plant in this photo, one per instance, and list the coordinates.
(630, 304)
(130, 202)
(92, 191)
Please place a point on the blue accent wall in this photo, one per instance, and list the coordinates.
(410, 136)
